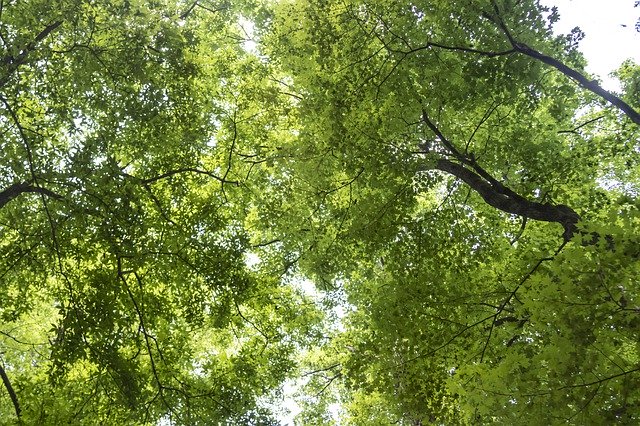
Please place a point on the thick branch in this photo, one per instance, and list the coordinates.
(518, 47)
(17, 189)
(469, 160)
(591, 85)
(14, 62)
(520, 206)
(495, 193)
(12, 392)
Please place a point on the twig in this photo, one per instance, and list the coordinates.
(575, 129)
(187, 170)
(501, 308)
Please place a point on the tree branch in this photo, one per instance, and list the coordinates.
(188, 11)
(511, 295)
(188, 170)
(13, 63)
(591, 85)
(575, 129)
(195, 4)
(487, 53)
(17, 189)
(496, 194)
(520, 206)
(597, 382)
(12, 392)
(145, 332)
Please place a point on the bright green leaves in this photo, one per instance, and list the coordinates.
(460, 312)
(179, 187)
(144, 119)
(565, 350)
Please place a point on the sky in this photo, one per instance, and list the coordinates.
(610, 31)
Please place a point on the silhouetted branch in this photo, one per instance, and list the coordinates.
(13, 63)
(488, 53)
(591, 85)
(12, 392)
(188, 170)
(495, 193)
(17, 189)
(561, 214)
(575, 129)
(598, 382)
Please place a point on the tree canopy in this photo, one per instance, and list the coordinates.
(412, 213)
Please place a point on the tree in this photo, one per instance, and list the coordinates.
(473, 193)
(444, 172)
(126, 294)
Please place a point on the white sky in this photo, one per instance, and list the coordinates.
(607, 43)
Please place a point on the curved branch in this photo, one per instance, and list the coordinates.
(17, 189)
(495, 193)
(520, 206)
(600, 381)
(591, 85)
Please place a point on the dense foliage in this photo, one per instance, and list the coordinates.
(177, 175)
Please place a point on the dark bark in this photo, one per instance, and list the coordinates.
(17, 189)
(13, 63)
(519, 47)
(518, 205)
(12, 392)
(495, 193)
(591, 85)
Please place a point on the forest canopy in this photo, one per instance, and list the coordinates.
(410, 213)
